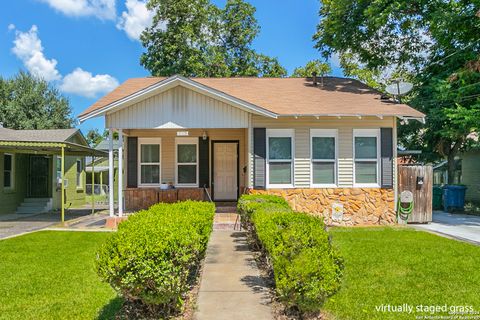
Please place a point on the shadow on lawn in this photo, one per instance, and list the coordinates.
(110, 309)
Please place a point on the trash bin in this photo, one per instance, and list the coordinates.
(453, 197)
(437, 197)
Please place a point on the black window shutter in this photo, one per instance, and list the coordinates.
(386, 139)
(260, 154)
(203, 162)
(132, 162)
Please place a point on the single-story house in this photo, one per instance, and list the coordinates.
(320, 146)
(31, 169)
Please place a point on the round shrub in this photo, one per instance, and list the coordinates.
(154, 254)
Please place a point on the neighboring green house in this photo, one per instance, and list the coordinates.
(30, 169)
(100, 168)
(467, 172)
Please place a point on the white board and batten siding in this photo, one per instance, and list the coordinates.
(302, 126)
(178, 108)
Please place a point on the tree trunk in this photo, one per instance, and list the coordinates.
(451, 168)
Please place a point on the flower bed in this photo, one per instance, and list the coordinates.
(305, 266)
(154, 256)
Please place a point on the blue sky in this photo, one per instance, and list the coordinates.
(87, 47)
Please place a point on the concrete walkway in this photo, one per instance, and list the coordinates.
(231, 286)
(459, 226)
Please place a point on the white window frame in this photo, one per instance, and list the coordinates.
(12, 172)
(373, 133)
(180, 141)
(280, 133)
(78, 175)
(142, 141)
(324, 133)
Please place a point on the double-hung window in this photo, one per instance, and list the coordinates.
(79, 173)
(8, 170)
(187, 162)
(149, 158)
(324, 157)
(280, 158)
(366, 152)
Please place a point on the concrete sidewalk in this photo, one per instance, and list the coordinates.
(459, 226)
(231, 286)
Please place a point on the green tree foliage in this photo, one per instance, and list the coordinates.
(94, 137)
(197, 38)
(27, 102)
(434, 44)
(317, 66)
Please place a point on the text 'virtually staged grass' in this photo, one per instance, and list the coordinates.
(400, 267)
(51, 275)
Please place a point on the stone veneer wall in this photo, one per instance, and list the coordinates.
(361, 206)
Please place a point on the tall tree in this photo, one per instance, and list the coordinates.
(317, 66)
(94, 137)
(433, 43)
(27, 102)
(196, 38)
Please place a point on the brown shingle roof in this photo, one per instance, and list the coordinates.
(285, 96)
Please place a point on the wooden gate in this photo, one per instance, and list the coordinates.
(410, 177)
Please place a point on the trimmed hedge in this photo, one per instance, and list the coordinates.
(306, 268)
(156, 252)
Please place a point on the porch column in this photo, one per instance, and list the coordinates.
(110, 172)
(62, 171)
(120, 172)
(93, 184)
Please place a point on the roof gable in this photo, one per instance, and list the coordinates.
(153, 87)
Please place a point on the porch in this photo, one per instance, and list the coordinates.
(169, 165)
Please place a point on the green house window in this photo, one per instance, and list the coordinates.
(7, 170)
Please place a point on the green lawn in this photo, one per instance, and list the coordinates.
(401, 266)
(50, 275)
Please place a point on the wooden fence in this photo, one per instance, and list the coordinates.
(408, 179)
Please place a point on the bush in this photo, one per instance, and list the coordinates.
(306, 267)
(156, 252)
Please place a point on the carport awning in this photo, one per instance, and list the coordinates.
(52, 148)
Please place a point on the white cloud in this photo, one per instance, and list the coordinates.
(11, 27)
(136, 19)
(102, 9)
(83, 83)
(28, 48)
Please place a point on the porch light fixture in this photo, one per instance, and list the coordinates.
(204, 135)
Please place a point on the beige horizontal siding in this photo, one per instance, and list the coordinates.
(302, 158)
(345, 157)
(302, 126)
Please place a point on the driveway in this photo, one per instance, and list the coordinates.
(12, 225)
(459, 226)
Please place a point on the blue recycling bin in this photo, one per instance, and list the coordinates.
(453, 197)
